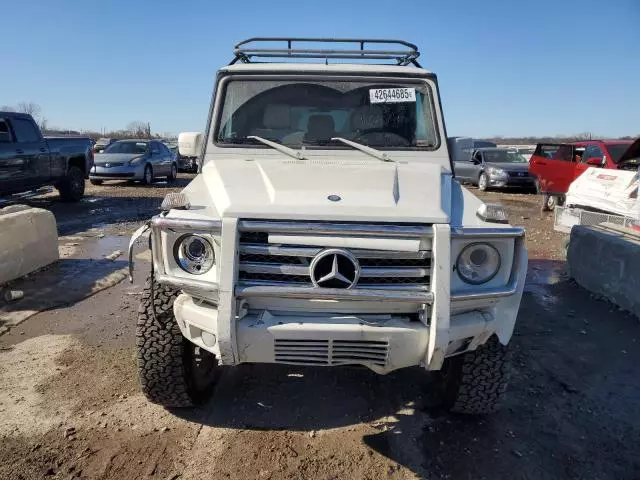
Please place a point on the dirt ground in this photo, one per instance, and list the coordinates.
(70, 405)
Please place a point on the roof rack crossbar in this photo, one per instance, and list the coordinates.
(247, 49)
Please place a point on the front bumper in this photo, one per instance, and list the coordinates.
(381, 343)
(271, 324)
(512, 181)
(130, 172)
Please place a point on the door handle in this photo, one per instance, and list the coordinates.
(43, 149)
(20, 151)
(542, 163)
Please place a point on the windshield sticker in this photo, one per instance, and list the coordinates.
(392, 95)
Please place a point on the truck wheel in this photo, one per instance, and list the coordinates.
(549, 202)
(147, 179)
(173, 371)
(174, 173)
(483, 182)
(475, 382)
(95, 182)
(71, 187)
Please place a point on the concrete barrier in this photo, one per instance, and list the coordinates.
(605, 259)
(28, 241)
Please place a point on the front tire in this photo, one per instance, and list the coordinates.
(71, 187)
(483, 182)
(174, 173)
(173, 371)
(147, 176)
(475, 382)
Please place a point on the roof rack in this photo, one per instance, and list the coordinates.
(248, 49)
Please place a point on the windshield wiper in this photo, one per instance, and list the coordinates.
(281, 148)
(363, 148)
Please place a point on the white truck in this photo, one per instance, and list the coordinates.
(326, 228)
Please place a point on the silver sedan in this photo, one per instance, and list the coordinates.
(140, 160)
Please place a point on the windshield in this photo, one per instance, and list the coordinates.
(503, 156)
(310, 113)
(127, 147)
(616, 150)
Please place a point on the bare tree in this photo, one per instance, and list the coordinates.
(584, 136)
(139, 129)
(31, 108)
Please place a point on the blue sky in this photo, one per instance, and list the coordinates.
(504, 67)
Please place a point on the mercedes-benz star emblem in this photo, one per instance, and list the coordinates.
(334, 268)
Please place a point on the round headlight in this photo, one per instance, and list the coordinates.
(194, 254)
(478, 263)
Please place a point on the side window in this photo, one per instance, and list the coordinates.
(592, 151)
(5, 134)
(155, 149)
(477, 157)
(564, 153)
(25, 131)
(164, 149)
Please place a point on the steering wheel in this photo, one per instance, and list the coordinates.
(391, 138)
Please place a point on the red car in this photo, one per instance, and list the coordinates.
(556, 165)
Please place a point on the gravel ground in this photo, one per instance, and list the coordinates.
(70, 405)
(110, 203)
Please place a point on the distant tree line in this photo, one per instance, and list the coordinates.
(500, 140)
(136, 129)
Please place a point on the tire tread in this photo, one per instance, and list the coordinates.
(479, 379)
(160, 349)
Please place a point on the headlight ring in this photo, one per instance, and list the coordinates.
(194, 254)
(478, 263)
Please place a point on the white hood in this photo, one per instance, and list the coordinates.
(299, 189)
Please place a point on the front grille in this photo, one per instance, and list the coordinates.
(330, 352)
(110, 164)
(519, 174)
(262, 263)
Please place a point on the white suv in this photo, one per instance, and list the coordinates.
(326, 228)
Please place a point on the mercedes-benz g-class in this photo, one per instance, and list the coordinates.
(326, 228)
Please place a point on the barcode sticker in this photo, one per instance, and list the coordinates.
(392, 95)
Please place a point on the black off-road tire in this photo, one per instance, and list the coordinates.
(96, 182)
(475, 382)
(71, 187)
(173, 371)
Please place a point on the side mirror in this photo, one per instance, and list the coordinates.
(594, 161)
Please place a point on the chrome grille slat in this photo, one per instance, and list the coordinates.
(366, 272)
(413, 287)
(291, 251)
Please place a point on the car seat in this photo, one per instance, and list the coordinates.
(320, 129)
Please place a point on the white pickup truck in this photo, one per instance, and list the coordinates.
(326, 228)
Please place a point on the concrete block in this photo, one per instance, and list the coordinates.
(28, 241)
(606, 261)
